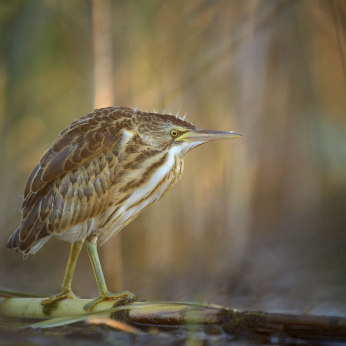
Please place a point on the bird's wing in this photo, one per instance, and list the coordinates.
(81, 140)
(70, 173)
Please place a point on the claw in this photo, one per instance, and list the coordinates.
(51, 303)
(108, 296)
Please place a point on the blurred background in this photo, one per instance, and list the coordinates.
(254, 223)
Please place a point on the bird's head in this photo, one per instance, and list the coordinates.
(164, 132)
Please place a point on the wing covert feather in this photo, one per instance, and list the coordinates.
(71, 181)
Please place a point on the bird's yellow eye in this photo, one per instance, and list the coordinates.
(174, 133)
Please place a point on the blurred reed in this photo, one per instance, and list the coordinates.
(104, 95)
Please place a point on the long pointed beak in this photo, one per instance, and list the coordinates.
(198, 135)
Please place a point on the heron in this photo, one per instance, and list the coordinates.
(97, 176)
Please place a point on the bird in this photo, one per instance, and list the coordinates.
(97, 176)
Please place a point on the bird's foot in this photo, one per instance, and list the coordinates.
(125, 296)
(51, 303)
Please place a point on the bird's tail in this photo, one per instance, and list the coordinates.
(13, 241)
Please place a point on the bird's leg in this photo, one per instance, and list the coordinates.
(100, 280)
(66, 292)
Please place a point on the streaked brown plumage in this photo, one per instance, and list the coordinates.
(101, 172)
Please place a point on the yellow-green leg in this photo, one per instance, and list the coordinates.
(66, 292)
(100, 280)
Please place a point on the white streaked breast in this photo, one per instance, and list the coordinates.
(126, 213)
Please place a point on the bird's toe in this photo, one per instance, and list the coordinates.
(51, 303)
(121, 298)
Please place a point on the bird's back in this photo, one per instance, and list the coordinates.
(71, 181)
